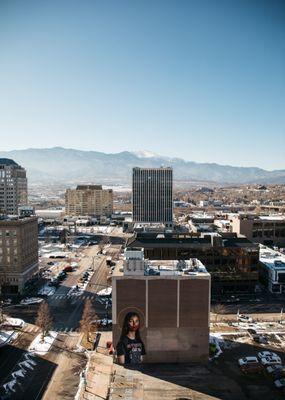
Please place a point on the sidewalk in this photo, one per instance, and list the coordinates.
(96, 378)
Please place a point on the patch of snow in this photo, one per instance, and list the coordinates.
(15, 322)
(7, 337)
(31, 300)
(145, 154)
(19, 373)
(217, 340)
(47, 290)
(26, 365)
(42, 347)
(105, 292)
(10, 385)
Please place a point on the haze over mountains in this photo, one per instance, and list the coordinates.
(71, 166)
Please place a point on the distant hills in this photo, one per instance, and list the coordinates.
(70, 166)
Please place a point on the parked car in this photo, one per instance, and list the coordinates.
(266, 353)
(278, 374)
(54, 282)
(247, 360)
(270, 361)
(7, 302)
(68, 268)
(273, 368)
(50, 263)
(260, 338)
(153, 272)
(244, 318)
(62, 275)
(252, 368)
(280, 383)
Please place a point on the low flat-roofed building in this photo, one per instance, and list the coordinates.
(268, 230)
(272, 269)
(18, 252)
(172, 300)
(51, 213)
(231, 259)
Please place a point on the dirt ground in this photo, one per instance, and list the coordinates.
(64, 382)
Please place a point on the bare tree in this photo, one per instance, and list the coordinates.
(88, 316)
(105, 240)
(44, 319)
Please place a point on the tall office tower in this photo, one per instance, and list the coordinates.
(89, 200)
(13, 186)
(152, 195)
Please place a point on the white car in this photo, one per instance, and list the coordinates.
(270, 361)
(263, 354)
(244, 318)
(280, 383)
(247, 361)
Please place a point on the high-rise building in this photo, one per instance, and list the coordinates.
(89, 200)
(152, 195)
(18, 252)
(13, 187)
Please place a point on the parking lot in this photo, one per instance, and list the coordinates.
(221, 378)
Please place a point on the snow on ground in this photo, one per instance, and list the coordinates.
(218, 341)
(42, 347)
(14, 322)
(20, 372)
(7, 337)
(47, 290)
(105, 292)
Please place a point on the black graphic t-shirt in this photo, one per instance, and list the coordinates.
(132, 349)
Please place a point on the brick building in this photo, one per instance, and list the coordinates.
(18, 253)
(173, 306)
(89, 200)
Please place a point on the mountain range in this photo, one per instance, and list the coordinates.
(71, 166)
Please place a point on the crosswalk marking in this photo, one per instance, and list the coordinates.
(76, 297)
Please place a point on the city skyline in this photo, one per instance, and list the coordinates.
(200, 81)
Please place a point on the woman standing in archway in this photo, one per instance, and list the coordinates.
(130, 348)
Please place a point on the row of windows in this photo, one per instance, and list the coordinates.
(7, 232)
(7, 259)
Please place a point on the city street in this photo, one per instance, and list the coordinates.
(66, 307)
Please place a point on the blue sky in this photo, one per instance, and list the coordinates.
(202, 80)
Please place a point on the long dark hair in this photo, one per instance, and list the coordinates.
(125, 328)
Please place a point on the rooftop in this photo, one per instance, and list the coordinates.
(8, 161)
(153, 240)
(14, 219)
(271, 258)
(155, 269)
(89, 187)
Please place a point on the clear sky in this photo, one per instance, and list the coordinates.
(202, 80)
